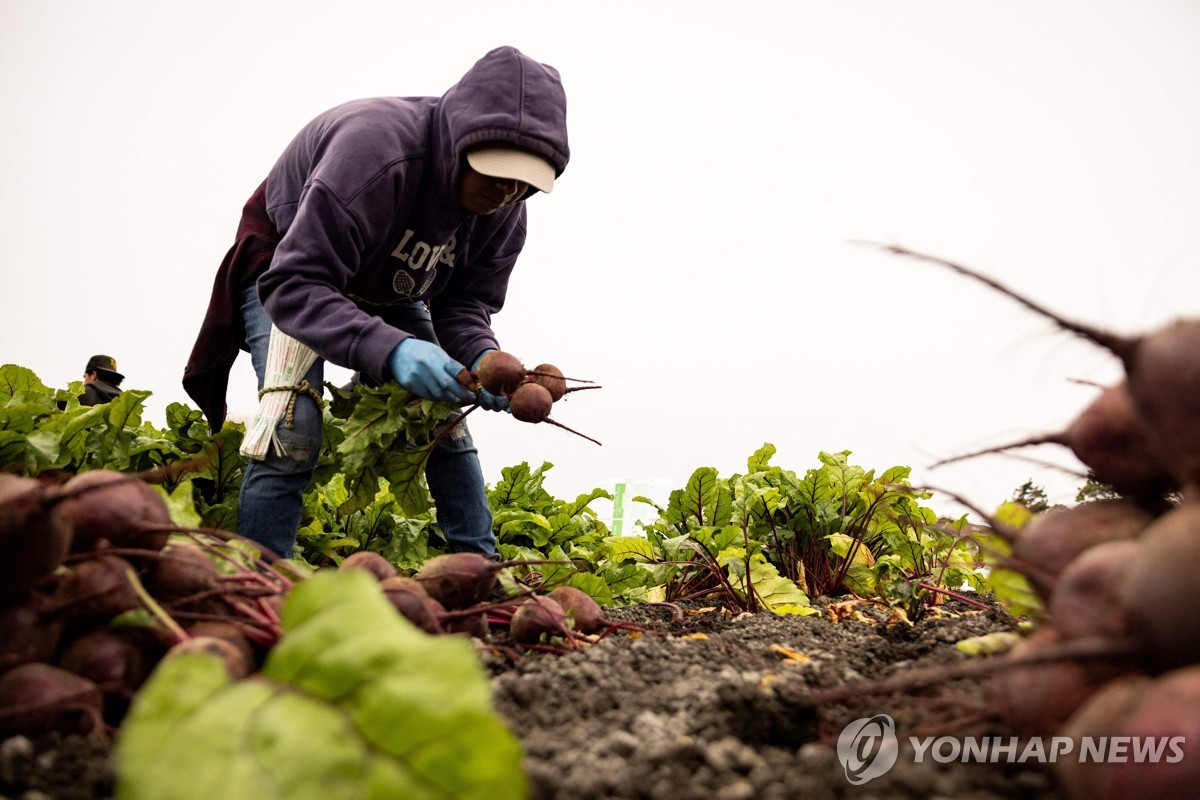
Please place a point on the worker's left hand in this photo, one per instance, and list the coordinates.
(492, 402)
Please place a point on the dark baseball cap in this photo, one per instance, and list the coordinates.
(103, 364)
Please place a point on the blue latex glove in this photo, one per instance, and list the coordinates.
(427, 371)
(492, 402)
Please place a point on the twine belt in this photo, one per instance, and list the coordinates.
(301, 388)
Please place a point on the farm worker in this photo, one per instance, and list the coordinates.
(101, 381)
(383, 239)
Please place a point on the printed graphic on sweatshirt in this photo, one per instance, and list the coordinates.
(420, 261)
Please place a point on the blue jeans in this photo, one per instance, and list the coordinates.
(271, 502)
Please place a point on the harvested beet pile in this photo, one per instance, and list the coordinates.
(699, 708)
(607, 703)
(1117, 657)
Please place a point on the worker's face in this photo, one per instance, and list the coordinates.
(483, 194)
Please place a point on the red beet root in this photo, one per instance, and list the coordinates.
(29, 629)
(1158, 717)
(1161, 369)
(1111, 438)
(531, 402)
(551, 379)
(39, 698)
(121, 509)
(1045, 547)
(231, 656)
(409, 597)
(585, 613)
(1161, 592)
(1102, 715)
(98, 589)
(182, 569)
(538, 618)
(34, 534)
(459, 580)
(372, 562)
(117, 660)
(1086, 601)
(500, 372)
(1036, 700)
(228, 631)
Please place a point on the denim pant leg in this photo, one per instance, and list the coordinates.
(453, 471)
(271, 502)
(455, 480)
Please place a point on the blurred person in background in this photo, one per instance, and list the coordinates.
(101, 381)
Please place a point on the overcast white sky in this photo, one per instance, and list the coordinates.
(694, 257)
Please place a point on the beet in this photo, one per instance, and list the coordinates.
(1111, 438)
(117, 660)
(1087, 600)
(1044, 547)
(29, 629)
(374, 563)
(182, 569)
(585, 613)
(231, 632)
(536, 619)
(1102, 715)
(232, 657)
(409, 597)
(1168, 709)
(1161, 590)
(1162, 712)
(1036, 700)
(39, 698)
(97, 589)
(35, 535)
(459, 580)
(531, 402)
(118, 508)
(1162, 369)
(473, 624)
(551, 378)
(499, 372)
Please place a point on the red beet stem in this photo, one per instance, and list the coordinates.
(1001, 448)
(570, 430)
(552, 375)
(1121, 346)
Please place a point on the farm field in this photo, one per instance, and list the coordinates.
(773, 633)
(711, 707)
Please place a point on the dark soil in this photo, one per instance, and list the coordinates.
(715, 706)
(718, 707)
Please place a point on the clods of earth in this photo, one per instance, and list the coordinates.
(703, 704)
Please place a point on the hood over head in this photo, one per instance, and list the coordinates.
(506, 99)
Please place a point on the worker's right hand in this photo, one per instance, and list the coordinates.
(428, 371)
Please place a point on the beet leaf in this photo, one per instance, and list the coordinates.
(353, 701)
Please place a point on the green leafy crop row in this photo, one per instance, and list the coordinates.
(767, 539)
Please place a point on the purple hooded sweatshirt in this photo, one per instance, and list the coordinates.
(361, 213)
